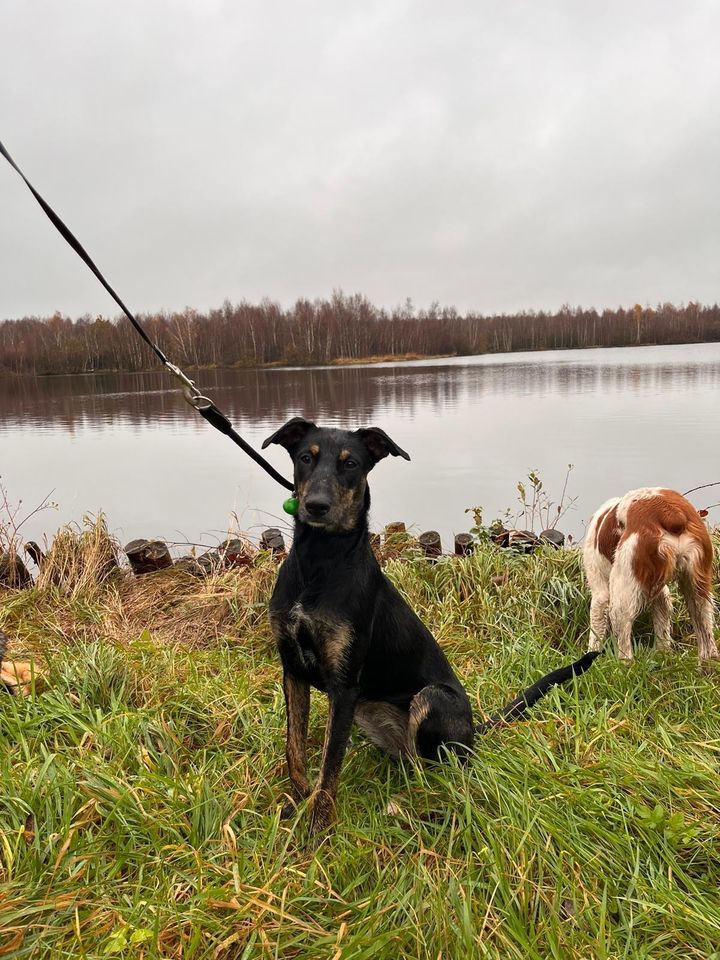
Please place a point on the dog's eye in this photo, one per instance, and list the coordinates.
(306, 458)
(350, 464)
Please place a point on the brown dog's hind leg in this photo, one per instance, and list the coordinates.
(627, 599)
(696, 587)
(599, 612)
(661, 609)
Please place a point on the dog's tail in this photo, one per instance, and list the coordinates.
(528, 698)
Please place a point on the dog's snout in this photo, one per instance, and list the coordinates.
(317, 506)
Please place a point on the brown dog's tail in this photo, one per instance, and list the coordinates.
(528, 698)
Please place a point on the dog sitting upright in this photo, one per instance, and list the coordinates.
(343, 628)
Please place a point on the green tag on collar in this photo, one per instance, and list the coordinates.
(291, 506)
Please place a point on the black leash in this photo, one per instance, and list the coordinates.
(204, 406)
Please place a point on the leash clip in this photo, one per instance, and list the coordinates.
(190, 391)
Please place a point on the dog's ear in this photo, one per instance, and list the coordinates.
(379, 444)
(290, 434)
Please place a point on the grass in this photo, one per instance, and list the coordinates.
(139, 793)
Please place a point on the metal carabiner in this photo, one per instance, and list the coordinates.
(190, 391)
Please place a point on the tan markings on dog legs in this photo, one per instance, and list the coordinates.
(337, 640)
(661, 610)
(297, 705)
(385, 724)
(322, 801)
(330, 781)
(276, 625)
(419, 710)
(322, 809)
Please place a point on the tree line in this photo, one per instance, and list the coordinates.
(340, 328)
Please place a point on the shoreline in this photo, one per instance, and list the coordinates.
(410, 357)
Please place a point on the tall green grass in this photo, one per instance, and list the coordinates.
(140, 792)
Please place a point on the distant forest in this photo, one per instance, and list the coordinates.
(323, 331)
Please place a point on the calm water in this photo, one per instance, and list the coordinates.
(129, 445)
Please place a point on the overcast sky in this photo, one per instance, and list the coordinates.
(492, 155)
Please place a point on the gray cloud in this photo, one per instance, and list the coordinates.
(492, 155)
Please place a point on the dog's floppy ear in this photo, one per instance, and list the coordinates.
(379, 444)
(290, 433)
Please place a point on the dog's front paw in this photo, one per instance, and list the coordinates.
(321, 812)
(291, 801)
(289, 807)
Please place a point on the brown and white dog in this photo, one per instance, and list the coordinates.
(637, 544)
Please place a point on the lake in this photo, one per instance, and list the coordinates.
(129, 445)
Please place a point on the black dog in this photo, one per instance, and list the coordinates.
(342, 627)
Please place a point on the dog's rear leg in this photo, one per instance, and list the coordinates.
(599, 606)
(297, 709)
(697, 590)
(626, 601)
(662, 618)
(341, 708)
(439, 717)
(385, 724)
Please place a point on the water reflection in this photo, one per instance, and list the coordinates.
(347, 394)
(130, 445)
